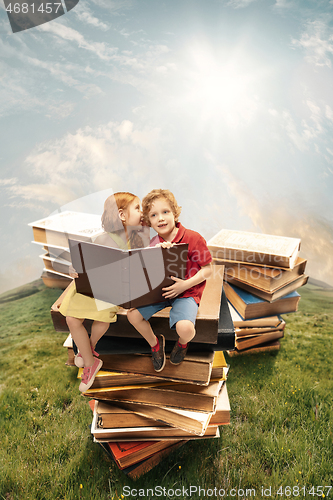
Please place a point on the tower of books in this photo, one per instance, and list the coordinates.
(261, 273)
(139, 415)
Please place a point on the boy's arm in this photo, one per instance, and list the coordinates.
(181, 286)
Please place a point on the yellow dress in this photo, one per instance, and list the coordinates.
(77, 305)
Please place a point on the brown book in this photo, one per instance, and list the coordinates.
(255, 248)
(128, 453)
(182, 396)
(247, 342)
(267, 278)
(250, 332)
(274, 295)
(194, 422)
(58, 252)
(222, 414)
(55, 264)
(137, 276)
(207, 321)
(264, 322)
(56, 229)
(262, 348)
(55, 280)
(147, 433)
(137, 469)
(110, 416)
(116, 379)
(249, 306)
(195, 369)
(109, 378)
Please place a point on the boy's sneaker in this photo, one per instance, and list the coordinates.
(158, 357)
(78, 359)
(89, 374)
(178, 354)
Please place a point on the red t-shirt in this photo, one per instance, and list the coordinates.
(198, 256)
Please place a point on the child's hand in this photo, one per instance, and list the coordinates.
(165, 244)
(72, 272)
(176, 289)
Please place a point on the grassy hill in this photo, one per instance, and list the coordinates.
(281, 434)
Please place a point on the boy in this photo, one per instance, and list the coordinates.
(161, 212)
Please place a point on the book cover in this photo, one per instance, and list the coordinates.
(249, 306)
(56, 229)
(271, 296)
(242, 246)
(268, 278)
(127, 278)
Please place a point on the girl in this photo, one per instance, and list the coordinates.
(121, 221)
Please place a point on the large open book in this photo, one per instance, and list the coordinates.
(127, 278)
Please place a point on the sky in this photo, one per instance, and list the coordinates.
(227, 103)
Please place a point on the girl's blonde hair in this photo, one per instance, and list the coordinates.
(110, 218)
(154, 195)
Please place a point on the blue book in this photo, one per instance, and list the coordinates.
(249, 306)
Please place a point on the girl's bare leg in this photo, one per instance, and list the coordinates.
(98, 329)
(81, 339)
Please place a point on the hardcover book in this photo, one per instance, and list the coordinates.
(137, 469)
(270, 296)
(128, 453)
(176, 395)
(267, 278)
(255, 248)
(249, 306)
(259, 349)
(56, 229)
(247, 342)
(127, 278)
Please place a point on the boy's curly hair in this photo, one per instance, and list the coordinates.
(154, 195)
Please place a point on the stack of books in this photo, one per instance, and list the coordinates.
(140, 415)
(52, 234)
(262, 274)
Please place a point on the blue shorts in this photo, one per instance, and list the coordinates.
(181, 308)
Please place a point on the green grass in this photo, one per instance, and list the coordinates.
(281, 431)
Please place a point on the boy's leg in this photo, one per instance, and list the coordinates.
(157, 343)
(142, 326)
(186, 331)
(182, 317)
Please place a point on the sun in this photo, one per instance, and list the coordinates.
(222, 86)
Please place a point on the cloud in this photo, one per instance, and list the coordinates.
(239, 4)
(115, 6)
(317, 42)
(8, 182)
(61, 31)
(312, 129)
(111, 155)
(270, 215)
(84, 14)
